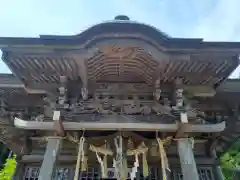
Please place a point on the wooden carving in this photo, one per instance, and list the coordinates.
(62, 97)
(179, 97)
(12, 138)
(123, 88)
(84, 93)
(49, 106)
(39, 118)
(157, 90)
(116, 52)
(157, 94)
(161, 109)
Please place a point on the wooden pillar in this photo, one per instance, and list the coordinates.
(187, 160)
(50, 157)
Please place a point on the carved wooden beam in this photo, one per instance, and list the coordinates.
(200, 91)
(35, 91)
(121, 124)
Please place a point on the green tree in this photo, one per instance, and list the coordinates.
(9, 169)
(231, 160)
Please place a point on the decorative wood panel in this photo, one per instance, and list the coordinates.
(61, 173)
(67, 173)
(204, 174)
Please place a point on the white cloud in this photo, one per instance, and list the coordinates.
(221, 23)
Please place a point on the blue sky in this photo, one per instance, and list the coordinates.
(213, 20)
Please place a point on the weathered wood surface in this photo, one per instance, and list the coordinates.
(14, 139)
(45, 65)
(109, 124)
(139, 57)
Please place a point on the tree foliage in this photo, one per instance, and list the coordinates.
(231, 160)
(9, 169)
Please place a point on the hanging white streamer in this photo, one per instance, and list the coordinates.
(80, 157)
(135, 167)
(118, 162)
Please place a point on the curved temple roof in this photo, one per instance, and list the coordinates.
(118, 25)
(118, 50)
(115, 26)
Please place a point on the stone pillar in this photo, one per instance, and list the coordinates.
(236, 174)
(19, 172)
(20, 169)
(185, 146)
(187, 161)
(50, 157)
(218, 172)
(216, 167)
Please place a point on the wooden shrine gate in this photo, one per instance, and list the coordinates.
(67, 173)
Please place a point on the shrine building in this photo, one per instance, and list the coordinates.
(120, 100)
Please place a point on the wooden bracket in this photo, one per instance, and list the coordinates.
(181, 132)
(58, 125)
(183, 127)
